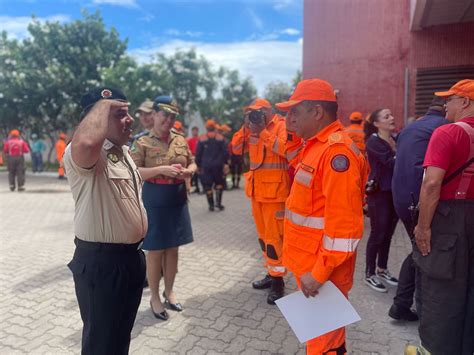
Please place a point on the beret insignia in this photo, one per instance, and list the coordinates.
(106, 93)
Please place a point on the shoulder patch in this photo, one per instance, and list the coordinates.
(340, 163)
(335, 138)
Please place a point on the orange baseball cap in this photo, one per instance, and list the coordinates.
(258, 103)
(310, 89)
(178, 125)
(464, 88)
(211, 123)
(14, 133)
(356, 115)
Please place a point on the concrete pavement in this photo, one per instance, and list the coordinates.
(222, 313)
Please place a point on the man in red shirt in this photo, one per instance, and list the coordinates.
(445, 231)
(14, 149)
(192, 143)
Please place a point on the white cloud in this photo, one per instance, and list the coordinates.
(17, 27)
(177, 33)
(284, 4)
(264, 61)
(256, 20)
(123, 3)
(290, 32)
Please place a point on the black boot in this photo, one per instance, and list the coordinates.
(266, 282)
(219, 200)
(277, 290)
(210, 200)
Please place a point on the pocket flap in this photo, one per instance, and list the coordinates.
(76, 267)
(270, 177)
(114, 172)
(445, 241)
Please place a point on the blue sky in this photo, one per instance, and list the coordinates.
(260, 38)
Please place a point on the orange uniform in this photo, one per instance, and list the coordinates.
(60, 148)
(267, 184)
(323, 217)
(356, 132)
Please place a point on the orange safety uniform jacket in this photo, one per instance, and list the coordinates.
(356, 132)
(60, 148)
(268, 185)
(323, 217)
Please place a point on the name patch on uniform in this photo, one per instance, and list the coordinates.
(113, 157)
(307, 168)
(340, 163)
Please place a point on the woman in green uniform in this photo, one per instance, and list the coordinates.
(164, 160)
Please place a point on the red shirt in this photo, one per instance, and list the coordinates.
(449, 149)
(15, 147)
(192, 143)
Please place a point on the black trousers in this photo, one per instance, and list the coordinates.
(409, 281)
(16, 170)
(383, 220)
(212, 176)
(108, 280)
(447, 324)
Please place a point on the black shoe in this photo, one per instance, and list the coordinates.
(219, 200)
(210, 200)
(162, 315)
(21, 189)
(400, 313)
(385, 275)
(12, 187)
(262, 284)
(374, 283)
(276, 290)
(173, 306)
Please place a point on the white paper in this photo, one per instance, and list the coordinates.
(315, 316)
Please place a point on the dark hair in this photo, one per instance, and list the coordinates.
(330, 107)
(369, 127)
(195, 127)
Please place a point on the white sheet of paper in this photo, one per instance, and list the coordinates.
(315, 316)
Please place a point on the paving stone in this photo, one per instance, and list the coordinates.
(222, 313)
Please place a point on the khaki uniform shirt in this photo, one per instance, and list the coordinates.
(108, 202)
(150, 151)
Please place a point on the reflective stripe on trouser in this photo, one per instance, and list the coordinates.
(342, 277)
(268, 219)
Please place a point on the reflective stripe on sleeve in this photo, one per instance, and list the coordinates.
(280, 269)
(310, 222)
(293, 154)
(304, 177)
(238, 147)
(345, 245)
(275, 146)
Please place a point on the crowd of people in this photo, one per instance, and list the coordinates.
(309, 179)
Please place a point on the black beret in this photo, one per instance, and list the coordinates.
(166, 103)
(102, 93)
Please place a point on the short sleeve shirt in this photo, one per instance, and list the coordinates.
(449, 149)
(150, 151)
(108, 202)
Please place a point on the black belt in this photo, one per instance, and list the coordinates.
(114, 247)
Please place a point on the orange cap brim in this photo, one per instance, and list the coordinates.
(445, 93)
(287, 105)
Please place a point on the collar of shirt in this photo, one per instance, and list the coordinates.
(324, 134)
(108, 145)
(172, 135)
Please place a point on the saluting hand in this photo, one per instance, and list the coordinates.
(423, 239)
(309, 285)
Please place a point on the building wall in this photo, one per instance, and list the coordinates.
(362, 48)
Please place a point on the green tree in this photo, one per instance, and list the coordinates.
(277, 91)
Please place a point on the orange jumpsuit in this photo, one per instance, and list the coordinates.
(323, 217)
(267, 183)
(356, 132)
(60, 148)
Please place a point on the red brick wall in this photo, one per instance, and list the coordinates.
(362, 48)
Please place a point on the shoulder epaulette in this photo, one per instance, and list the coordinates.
(335, 138)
